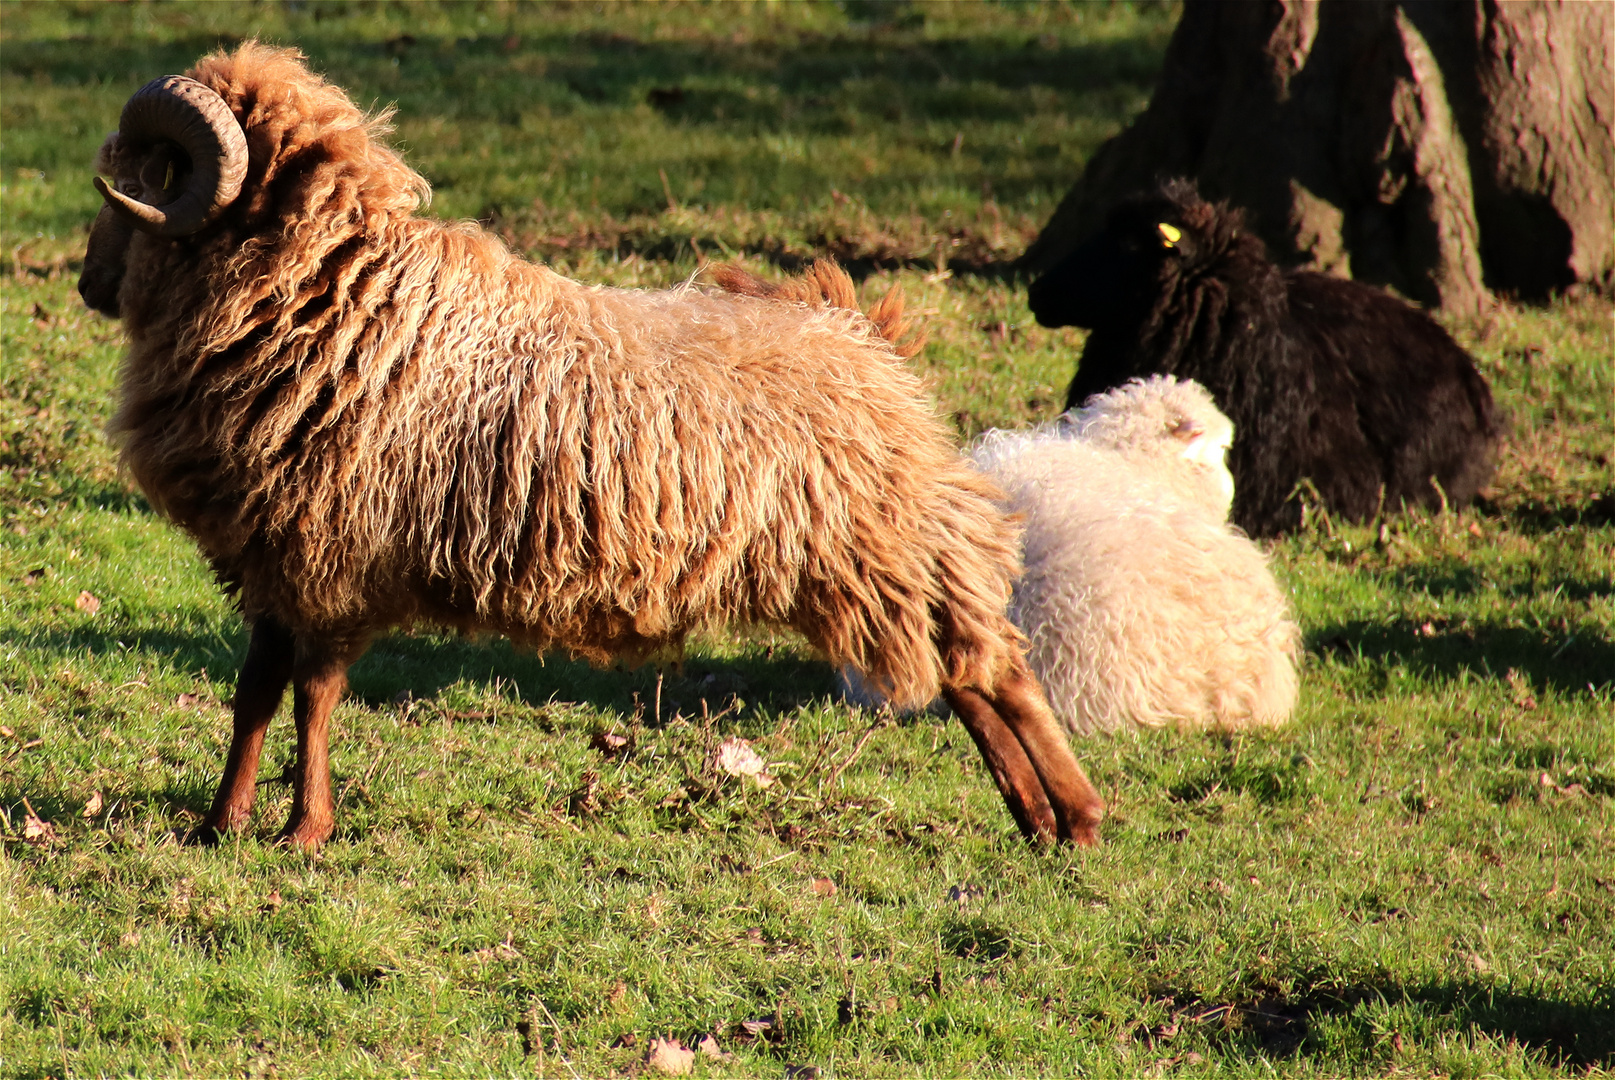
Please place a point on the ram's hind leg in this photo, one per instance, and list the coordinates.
(264, 675)
(1076, 804)
(1006, 759)
(319, 677)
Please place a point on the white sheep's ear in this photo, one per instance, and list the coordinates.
(1186, 430)
(1170, 234)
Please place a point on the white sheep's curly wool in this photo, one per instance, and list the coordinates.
(1141, 605)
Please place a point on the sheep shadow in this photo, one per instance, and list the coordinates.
(740, 692)
(1568, 1033)
(1571, 666)
(753, 678)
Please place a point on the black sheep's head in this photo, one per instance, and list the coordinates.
(176, 161)
(1149, 242)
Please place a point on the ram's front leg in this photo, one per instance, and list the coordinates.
(264, 675)
(319, 676)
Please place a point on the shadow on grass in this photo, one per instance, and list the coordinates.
(1446, 579)
(1570, 666)
(1536, 516)
(759, 679)
(1567, 1033)
(814, 79)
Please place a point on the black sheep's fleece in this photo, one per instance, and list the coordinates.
(1326, 380)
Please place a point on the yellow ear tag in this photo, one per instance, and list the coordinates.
(168, 180)
(1169, 234)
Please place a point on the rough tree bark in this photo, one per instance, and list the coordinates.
(1442, 147)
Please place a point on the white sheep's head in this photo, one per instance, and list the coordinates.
(176, 161)
(1166, 420)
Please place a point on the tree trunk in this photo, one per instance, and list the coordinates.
(1442, 148)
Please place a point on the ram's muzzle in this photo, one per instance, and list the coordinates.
(104, 261)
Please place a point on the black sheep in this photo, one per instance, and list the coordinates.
(1326, 380)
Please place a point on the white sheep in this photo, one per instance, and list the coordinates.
(1141, 605)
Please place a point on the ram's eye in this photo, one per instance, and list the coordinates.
(1170, 234)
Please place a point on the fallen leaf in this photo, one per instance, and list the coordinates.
(965, 895)
(93, 807)
(129, 938)
(804, 1072)
(822, 886)
(618, 991)
(35, 829)
(1475, 530)
(708, 1047)
(626, 1041)
(670, 1056)
(185, 701)
(736, 757)
(502, 951)
(609, 743)
(34, 576)
(271, 902)
(7, 732)
(87, 602)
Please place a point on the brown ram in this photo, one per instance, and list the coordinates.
(368, 418)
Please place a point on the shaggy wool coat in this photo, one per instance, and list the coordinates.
(368, 418)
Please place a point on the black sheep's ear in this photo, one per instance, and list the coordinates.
(1170, 234)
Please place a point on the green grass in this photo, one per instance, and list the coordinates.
(1415, 876)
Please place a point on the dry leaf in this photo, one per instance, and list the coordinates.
(670, 1056)
(6, 731)
(87, 602)
(736, 757)
(965, 895)
(272, 901)
(186, 700)
(93, 807)
(502, 951)
(806, 1072)
(822, 886)
(36, 830)
(609, 743)
(34, 576)
(708, 1046)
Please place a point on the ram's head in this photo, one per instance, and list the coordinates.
(176, 161)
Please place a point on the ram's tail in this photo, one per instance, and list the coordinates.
(825, 284)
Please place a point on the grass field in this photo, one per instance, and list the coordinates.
(538, 870)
